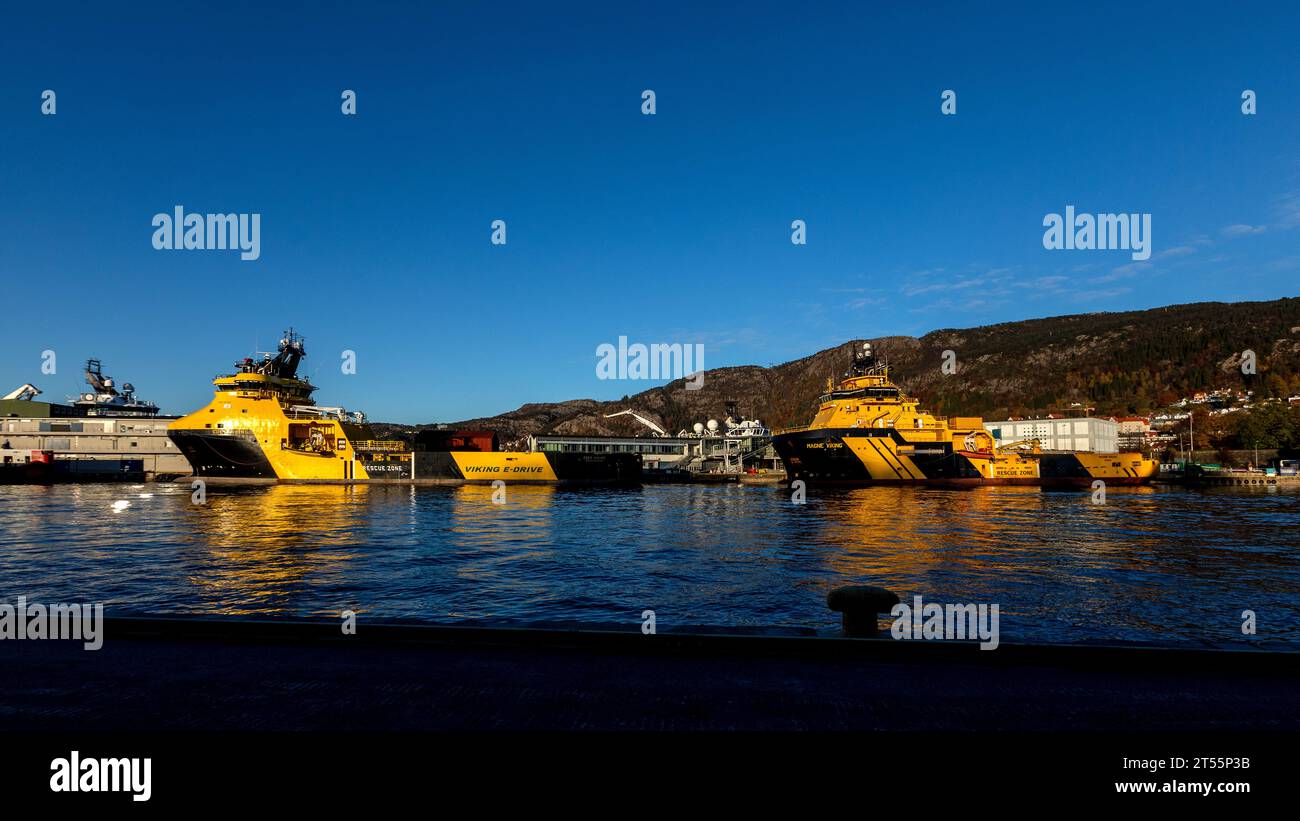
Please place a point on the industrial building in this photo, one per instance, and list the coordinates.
(697, 454)
(656, 453)
(1078, 434)
(97, 438)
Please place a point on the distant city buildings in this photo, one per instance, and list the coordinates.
(1135, 433)
(1220, 398)
(1104, 434)
(1129, 425)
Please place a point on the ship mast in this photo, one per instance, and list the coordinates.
(284, 364)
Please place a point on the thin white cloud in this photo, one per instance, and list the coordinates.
(1242, 230)
(1286, 215)
(946, 286)
(1287, 209)
(967, 305)
(863, 302)
(1177, 251)
(1124, 272)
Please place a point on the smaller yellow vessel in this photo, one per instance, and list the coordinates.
(867, 432)
(262, 425)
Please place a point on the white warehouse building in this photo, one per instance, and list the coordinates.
(1088, 433)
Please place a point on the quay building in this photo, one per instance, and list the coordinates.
(1089, 433)
(105, 432)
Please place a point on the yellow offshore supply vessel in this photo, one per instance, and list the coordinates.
(262, 425)
(866, 432)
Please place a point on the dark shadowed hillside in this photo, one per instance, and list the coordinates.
(1116, 362)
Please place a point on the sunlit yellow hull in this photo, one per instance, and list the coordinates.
(252, 437)
(890, 456)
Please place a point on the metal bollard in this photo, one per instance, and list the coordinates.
(859, 606)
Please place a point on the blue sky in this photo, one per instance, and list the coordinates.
(666, 228)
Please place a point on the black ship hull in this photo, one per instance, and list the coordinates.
(233, 454)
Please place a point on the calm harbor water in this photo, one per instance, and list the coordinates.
(1152, 564)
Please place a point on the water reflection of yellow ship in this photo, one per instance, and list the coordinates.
(883, 531)
(255, 547)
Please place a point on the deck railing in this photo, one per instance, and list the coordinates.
(386, 445)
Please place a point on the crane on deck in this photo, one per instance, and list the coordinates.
(1023, 446)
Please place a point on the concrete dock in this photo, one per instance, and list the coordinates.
(1234, 479)
(237, 674)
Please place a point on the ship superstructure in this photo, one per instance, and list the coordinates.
(866, 431)
(104, 398)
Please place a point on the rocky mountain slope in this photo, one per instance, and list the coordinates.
(1126, 362)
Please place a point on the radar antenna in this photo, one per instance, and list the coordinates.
(285, 363)
(865, 361)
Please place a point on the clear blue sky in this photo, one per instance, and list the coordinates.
(671, 228)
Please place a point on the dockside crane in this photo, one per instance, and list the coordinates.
(658, 431)
(24, 393)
